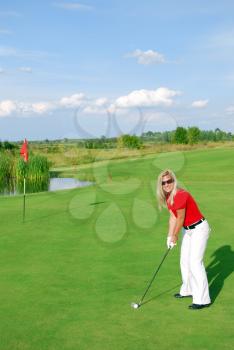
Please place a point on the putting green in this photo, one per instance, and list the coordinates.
(70, 272)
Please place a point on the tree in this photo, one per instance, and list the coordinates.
(89, 144)
(193, 135)
(8, 145)
(129, 141)
(181, 135)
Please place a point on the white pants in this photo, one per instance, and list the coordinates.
(192, 269)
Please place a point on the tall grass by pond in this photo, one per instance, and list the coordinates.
(36, 172)
(37, 169)
(13, 171)
(6, 166)
(6, 171)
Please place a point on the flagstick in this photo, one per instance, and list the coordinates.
(24, 200)
(24, 154)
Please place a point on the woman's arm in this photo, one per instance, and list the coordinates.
(178, 225)
(172, 224)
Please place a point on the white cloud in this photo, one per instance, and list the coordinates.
(26, 69)
(93, 110)
(200, 103)
(98, 106)
(147, 57)
(100, 102)
(42, 107)
(7, 107)
(24, 108)
(138, 98)
(72, 101)
(230, 110)
(147, 98)
(73, 6)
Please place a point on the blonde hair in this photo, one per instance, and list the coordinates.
(161, 194)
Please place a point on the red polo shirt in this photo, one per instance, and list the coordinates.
(184, 200)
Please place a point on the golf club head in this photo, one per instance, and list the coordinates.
(135, 305)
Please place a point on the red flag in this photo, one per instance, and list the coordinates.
(24, 150)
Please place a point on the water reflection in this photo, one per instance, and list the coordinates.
(7, 187)
(66, 183)
(12, 187)
(32, 186)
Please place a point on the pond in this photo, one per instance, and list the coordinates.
(10, 188)
(66, 183)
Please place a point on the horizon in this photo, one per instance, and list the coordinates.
(107, 138)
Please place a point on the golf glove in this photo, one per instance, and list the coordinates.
(168, 241)
(170, 244)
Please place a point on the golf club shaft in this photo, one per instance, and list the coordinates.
(164, 257)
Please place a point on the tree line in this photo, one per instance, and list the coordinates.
(191, 135)
(6, 145)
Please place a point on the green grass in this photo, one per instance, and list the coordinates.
(70, 272)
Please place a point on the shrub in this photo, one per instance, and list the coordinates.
(129, 141)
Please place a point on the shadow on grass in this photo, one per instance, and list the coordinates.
(96, 203)
(160, 294)
(219, 269)
(57, 213)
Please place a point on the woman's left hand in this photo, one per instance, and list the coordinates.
(171, 245)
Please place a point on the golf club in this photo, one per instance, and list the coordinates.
(137, 305)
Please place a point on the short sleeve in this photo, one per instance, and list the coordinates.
(180, 200)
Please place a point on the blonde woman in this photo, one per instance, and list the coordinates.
(185, 214)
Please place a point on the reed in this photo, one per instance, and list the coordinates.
(21, 169)
(6, 166)
(36, 170)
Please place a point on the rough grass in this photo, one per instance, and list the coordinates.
(70, 155)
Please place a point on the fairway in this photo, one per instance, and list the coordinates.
(70, 272)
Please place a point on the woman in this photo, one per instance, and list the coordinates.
(184, 213)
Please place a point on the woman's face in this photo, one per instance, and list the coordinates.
(167, 183)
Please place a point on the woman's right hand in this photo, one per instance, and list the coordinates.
(170, 244)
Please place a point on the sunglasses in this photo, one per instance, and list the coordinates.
(167, 182)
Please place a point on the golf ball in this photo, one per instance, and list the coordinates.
(134, 305)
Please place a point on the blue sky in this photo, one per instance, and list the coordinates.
(69, 67)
